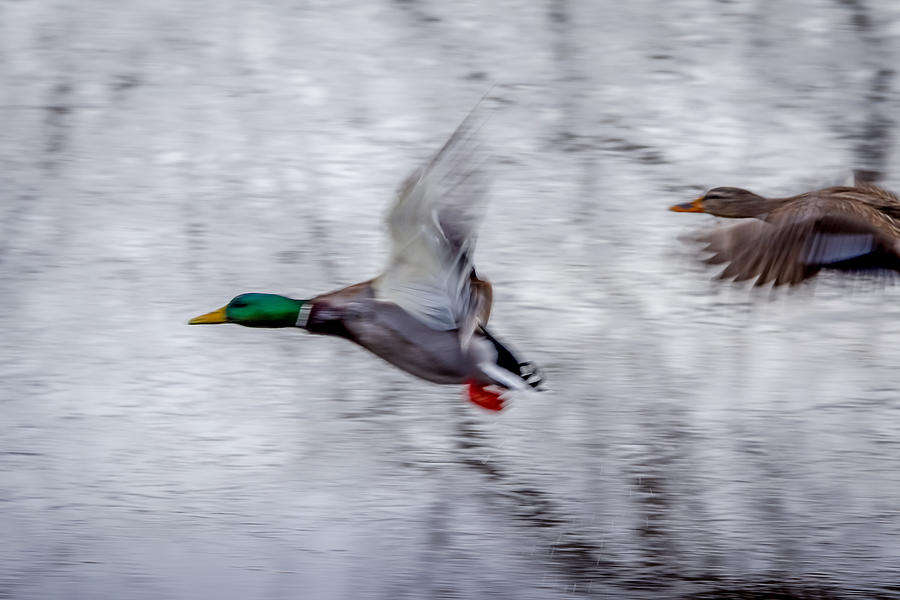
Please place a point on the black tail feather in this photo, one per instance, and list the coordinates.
(529, 373)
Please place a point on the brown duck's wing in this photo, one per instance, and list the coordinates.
(795, 248)
(859, 199)
(885, 201)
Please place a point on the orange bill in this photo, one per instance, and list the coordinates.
(695, 206)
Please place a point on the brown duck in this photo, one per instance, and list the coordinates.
(851, 228)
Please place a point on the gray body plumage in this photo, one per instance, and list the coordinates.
(426, 312)
(392, 333)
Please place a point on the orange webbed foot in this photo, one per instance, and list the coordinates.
(484, 397)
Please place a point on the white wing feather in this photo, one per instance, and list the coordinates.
(433, 227)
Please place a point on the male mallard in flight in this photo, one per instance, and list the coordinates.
(427, 312)
(850, 228)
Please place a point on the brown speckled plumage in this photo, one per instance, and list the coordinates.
(849, 228)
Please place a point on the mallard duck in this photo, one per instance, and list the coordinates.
(427, 313)
(849, 228)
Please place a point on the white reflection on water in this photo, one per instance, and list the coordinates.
(696, 439)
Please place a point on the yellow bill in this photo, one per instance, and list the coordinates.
(216, 316)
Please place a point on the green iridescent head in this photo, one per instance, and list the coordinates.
(255, 310)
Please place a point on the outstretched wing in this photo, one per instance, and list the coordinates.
(792, 250)
(433, 227)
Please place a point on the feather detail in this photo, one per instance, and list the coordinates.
(433, 226)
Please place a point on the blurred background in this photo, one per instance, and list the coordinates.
(696, 440)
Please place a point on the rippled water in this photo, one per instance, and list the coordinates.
(696, 440)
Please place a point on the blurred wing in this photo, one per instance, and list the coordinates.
(433, 227)
(793, 250)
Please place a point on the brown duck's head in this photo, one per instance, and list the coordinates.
(726, 202)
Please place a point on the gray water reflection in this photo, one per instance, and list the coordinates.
(697, 440)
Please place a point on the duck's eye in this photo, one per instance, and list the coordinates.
(238, 304)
